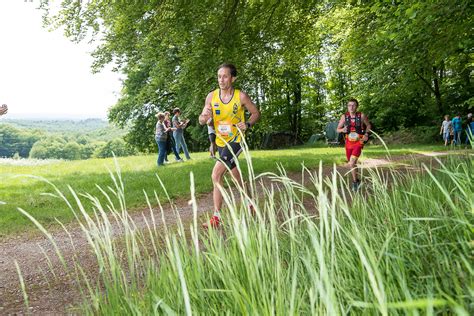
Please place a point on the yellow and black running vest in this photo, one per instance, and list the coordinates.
(226, 116)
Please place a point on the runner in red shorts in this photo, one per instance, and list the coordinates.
(356, 127)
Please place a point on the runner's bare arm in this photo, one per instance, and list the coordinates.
(250, 106)
(206, 114)
(368, 127)
(341, 128)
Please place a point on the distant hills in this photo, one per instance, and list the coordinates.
(61, 139)
(60, 125)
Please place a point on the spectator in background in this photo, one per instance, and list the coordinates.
(3, 109)
(469, 128)
(446, 130)
(178, 134)
(212, 138)
(170, 144)
(457, 129)
(160, 137)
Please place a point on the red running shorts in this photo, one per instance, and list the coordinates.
(353, 149)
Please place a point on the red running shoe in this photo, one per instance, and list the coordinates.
(215, 222)
(250, 207)
(252, 210)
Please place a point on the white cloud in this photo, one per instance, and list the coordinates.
(43, 74)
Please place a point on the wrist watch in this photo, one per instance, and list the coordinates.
(248, 125)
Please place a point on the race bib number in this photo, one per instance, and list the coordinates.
(224, 128)
(353, 137)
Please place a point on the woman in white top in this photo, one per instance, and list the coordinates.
(446, 129)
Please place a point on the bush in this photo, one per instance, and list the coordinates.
(53, 147)
(412, 135)
(58, 148)
(117, 147)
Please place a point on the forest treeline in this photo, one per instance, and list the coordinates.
(408, 62)
(70, 140)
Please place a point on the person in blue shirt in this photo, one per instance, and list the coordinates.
(469, 128)
(457, 129)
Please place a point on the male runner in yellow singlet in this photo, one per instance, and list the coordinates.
(225, 111)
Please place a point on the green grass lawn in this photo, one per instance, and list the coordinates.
(403, 249)
(19, 189)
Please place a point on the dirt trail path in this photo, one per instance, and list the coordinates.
(57, 294)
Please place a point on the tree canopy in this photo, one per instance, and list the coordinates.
(61, 139)
(409, 62)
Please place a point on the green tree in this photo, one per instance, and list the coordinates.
(52, 147)
(117, 147)
(16, 141)
(407, 61)
(72, 151)
(170, 57)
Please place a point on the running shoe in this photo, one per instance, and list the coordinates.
(355, 185)
(251, 208)
(214, 222)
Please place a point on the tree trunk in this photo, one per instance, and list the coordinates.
(436, 90)
(288, 105)
(297, 106)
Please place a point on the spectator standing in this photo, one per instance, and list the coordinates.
(178, 134)
(446, 129)
(160, 137)
(457, 129)
(469, 128)
(170, 143)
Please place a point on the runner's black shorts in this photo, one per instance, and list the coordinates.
(212, 138)
(226, 156)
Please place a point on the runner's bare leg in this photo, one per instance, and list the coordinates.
(217, 176)
(353, 166)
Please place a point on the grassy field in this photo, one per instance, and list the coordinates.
(21, 187)
(403, 249)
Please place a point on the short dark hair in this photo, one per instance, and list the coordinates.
(353, 100)
(231, 67)
(176, 110)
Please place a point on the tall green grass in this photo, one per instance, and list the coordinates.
(21, 185)
(403, 245)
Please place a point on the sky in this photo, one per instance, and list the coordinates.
(45, 75)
